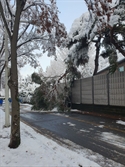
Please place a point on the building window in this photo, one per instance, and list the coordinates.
(121, 69)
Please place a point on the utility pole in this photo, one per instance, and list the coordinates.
(7, 114)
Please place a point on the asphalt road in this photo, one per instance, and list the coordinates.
(88, 131)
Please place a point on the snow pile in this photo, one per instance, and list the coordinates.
(120, 122)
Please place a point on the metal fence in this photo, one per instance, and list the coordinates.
(104, 89)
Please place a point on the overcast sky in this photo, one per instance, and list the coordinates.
(69, 11)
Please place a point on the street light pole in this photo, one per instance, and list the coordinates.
(7, 116)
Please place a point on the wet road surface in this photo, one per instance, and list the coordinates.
(88, 131)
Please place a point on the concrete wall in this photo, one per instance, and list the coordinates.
(100, 90)
(86, 90)
(76, 92)
(117, 89)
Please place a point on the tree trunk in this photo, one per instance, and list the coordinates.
(13, 82)
(116, 43)
(97, 55)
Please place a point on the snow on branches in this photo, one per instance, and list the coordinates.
(108, 16)
(45, 18)
(103, 25)
(39, 29)
(77, 41)
(107, 13)
(39, 22)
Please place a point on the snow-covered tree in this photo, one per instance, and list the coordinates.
(109, 27)
(103, 26)
(77, 31)
(57, 66)
(80, 46)
(26, 88)
(77, 41)
(55, 83)
(41, 23)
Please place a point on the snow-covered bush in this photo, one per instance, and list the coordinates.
(26, 89)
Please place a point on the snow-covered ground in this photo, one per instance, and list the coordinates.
(120, 122)
(37, 150)
(114, 139)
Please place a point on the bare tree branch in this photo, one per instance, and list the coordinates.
(4, 20)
